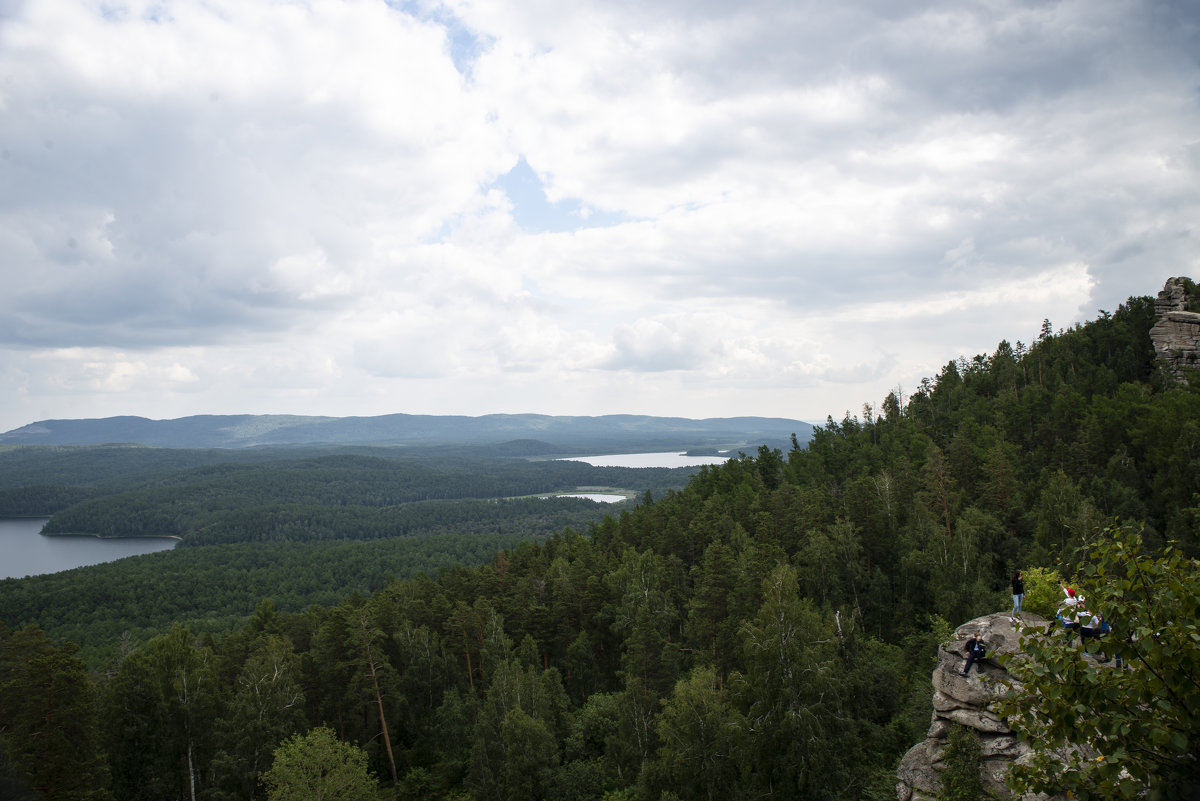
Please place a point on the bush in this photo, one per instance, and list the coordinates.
(963, 759)
(1043, 595)
(1141, 727)
(319, 765)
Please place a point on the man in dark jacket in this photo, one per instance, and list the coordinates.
(976, 650)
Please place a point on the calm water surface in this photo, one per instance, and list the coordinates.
(599, 497)
(668, 459)
(25, 552)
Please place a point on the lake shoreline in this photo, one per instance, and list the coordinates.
(668, 459)
(24, 555)
(175, 537)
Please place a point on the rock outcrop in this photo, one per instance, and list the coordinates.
(968, 700)
(1176, 334)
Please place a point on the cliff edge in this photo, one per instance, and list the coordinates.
(1176, 334)
(968, 700)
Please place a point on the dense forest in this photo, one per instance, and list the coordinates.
(266, 522)
(300, 494)
(765, 631)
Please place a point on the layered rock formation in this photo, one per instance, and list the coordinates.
(1176, 334)
(969, 701)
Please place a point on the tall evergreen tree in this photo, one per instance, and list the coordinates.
(48, 719)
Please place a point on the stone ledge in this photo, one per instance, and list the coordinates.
(968, 701)
(1176, 334)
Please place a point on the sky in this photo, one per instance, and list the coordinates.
(695, 209)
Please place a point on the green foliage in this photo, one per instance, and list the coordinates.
(48, 718)
(1101, 731)
(317, 766)
(216, 589)
(160, 709)
(515, 749)
(808, 678)
(1043, 591)
(354, 493)
(700, 732)
(1192, 292)
(531, 756)
(962, 761)
(943, 631)
(626, 794)
(265, 705)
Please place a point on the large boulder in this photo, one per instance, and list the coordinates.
(1176, 333)
(969, 701)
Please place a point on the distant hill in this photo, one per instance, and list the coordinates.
(528, 433)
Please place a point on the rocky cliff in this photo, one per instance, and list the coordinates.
(969, 701)
(1176, 334)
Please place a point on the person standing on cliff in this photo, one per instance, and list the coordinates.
(976, 650)
(1018, 588)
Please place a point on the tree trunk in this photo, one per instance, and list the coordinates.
(387, 740)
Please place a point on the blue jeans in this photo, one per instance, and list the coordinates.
(1017, 601)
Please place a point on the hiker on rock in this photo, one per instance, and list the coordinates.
(976, 650)
(1018, 588)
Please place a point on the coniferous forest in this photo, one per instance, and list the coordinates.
(765, 630)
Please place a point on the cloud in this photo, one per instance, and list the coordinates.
(227, 166)
(659, 345)
(463, 206)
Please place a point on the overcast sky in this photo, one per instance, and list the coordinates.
(698, 209)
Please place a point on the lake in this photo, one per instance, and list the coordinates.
(598, 497)
(25, 552)
(666, 459)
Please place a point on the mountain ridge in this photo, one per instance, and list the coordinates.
(565, 432)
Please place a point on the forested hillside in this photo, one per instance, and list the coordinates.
(423, 509)
(767, 631)
(338, 497)
(211, 496)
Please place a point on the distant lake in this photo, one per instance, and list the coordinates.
(25, 552)
(667, 459)
(599, 497)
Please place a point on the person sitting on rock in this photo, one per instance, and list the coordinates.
(1074, 620)
(976, 650)
(1096, 628)
(1093, 627)
(1069, 611)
